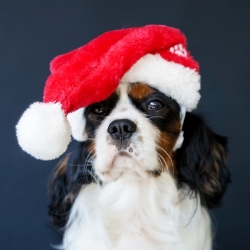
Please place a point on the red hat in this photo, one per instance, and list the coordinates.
(154, 54)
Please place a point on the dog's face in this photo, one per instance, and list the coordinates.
(133, 132)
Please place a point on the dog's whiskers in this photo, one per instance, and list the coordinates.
(89, 156)
(88, 162)
(167, 155)
(163, 165)
(164, 140)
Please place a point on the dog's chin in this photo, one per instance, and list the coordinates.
(123, 166)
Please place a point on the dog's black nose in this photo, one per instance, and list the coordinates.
(121, 129)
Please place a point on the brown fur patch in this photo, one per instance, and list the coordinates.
(165, 146)
(91, 148)
(219, 155)
(62, 166)
(140, 90)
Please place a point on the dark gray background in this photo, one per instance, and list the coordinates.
(33, 32)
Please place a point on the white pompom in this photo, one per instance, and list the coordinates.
(43, 131)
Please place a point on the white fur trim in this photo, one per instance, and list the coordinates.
(180, 138)
(43, 131)
(77, 123)
(182, 115)
(175, 80)
(179, 141)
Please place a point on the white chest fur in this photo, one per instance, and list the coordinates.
(137, 214)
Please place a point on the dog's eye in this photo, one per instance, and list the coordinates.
(155, 105)
(98, 110)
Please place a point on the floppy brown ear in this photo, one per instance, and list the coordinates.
(69, 176)
(202, 161)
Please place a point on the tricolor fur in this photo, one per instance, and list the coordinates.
(126, 187)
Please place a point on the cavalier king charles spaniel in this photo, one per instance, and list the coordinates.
(144, 179)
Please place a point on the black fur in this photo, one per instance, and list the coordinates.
(69, 176)
(201, 161)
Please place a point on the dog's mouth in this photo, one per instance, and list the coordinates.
(123, 159)
(129, 159)
(125, 164)
(124, 154)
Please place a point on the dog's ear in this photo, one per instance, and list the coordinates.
(202, 161)
(74, 171)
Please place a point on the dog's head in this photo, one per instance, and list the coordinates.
(133, 132)
(137, 132)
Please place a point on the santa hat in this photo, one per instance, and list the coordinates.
(153, 54)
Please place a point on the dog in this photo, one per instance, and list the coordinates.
(144, 178)
(145, 170)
